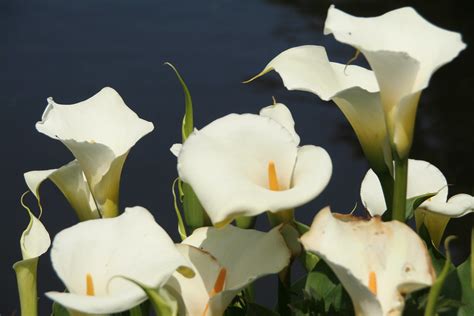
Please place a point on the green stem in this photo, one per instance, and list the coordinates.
(400, 190)
(285, 217)
(284, 291)
(438, 284)
(387, 183)
(26, 279)
(245, 222)
(194, 213)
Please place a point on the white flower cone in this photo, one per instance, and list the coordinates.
(399, 46)
(354, 90)
(91, 256)
(228, 162)
(226, 260)
(99, 132)
(377, 262)
(73, 184)
(423, 178)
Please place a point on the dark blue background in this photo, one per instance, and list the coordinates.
(71, 49)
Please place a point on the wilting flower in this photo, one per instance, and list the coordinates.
(73, 184)
(377, 262)
(423, 178)
(92, 256)
(403, 50)
(34, 242)
(243, 165)
(225, 260)
(99, 132)
(354, 89)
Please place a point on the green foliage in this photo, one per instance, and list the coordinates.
(414, 202)
(411, 205)
(308, 259)
(321, 295)
(194, 213)
(467, 288)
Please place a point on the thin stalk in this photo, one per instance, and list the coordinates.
(438, 284)
(400, 190)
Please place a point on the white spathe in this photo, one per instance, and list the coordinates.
(226, 163)
(35, 239)
(423, 178)
(354, 90)
(99, 132)
(226, 260)
(403, 50)
(132, 245)
(377, 262)
(72, 182)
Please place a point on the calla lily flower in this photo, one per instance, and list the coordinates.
(354, 90)
(225, 260)
(34, 242)
(399, 47)
(423, 178)
(244, 165)
(73, 184)
(92, 256)
(377, 262)
(99, 132)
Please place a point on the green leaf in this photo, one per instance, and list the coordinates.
(437, 286)
(181, 227)
(323, 286)
(467, 299)
(414, 202)
(308, 259)
(188, 120)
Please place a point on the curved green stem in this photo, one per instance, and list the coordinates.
(438, 284)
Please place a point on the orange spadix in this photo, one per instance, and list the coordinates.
(89, 285)
(272, 177)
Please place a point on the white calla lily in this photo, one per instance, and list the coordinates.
(226, 260)
(354, 90)
(99, 132)
(244, 165)
(34, 242)
(399, 47)
(377, 262)
(73, 184)
(91, 256)
(423, 178)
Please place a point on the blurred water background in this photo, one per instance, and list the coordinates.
(71, 49)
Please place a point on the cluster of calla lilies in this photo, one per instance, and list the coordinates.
(242, 165)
